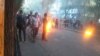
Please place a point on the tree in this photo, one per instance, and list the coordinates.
(11, 7)
(95, 9)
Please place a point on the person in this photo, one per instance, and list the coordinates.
(65, 23)
(31, 24)
(56, 22)
(28, 23)
(21, 25)
(36, 24)
(74, 23)
(79, 24)
(44, 27)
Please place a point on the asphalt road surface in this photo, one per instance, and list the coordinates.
(61, 42)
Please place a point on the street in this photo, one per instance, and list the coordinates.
(61, 42)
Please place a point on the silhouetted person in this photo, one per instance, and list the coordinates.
(31, 24)
(65, 23)
(28, 18)
(44, 27)
(36, 28)
(21, 26)
(79, 25)
(56, 23)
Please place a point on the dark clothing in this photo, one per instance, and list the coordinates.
(28, 18)
(21, 26)
(56, 22)
(35, 32)
(20, 34)
(65, 23)
(20, 22)
(77, 25)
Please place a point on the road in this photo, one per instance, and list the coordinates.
(61, 42)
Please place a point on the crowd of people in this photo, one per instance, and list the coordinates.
(34, 21)
(31, 20)
(76, 24)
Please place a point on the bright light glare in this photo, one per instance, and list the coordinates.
(89, 33)
(49, 25)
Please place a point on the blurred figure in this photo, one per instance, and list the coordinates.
(79, 25)
(74, 23)
(29, 19)
(36, 24)
(31, 23)
(65, 23)
(44, 27)
(21, 25)
(56, 22)
(70, 23)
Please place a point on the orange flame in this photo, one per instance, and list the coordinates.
(89, 33)
(50, 23)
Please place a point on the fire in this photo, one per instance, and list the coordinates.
(49, 25)
(89, 33)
